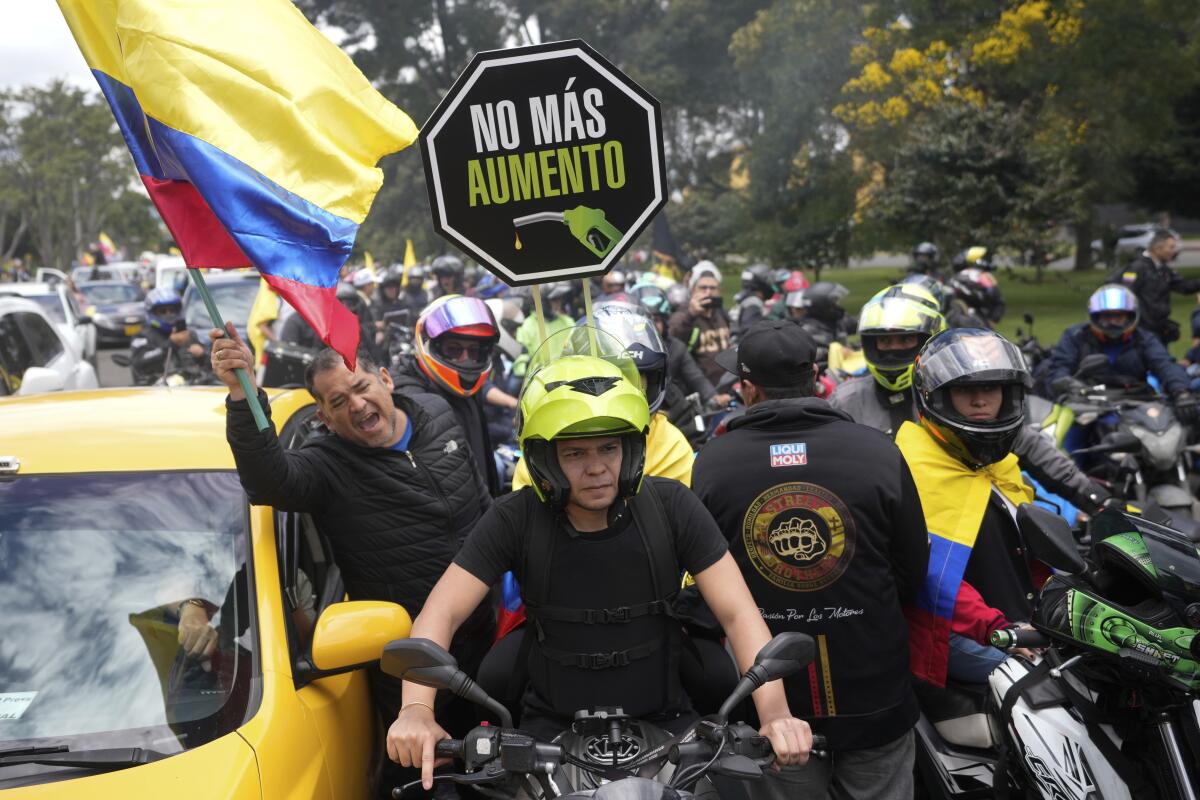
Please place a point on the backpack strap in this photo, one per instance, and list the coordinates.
(655, 528)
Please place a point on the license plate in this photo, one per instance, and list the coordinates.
(132, 330)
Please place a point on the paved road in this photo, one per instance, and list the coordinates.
(109, 373)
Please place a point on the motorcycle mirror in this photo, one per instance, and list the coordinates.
(786, 654)
(1049, 539)
(1091, 363)
(1028, 318)
(121, 360)
(428, 664)
(1115, 442)
(419, 661)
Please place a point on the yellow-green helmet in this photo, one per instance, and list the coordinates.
(578, 390)
(905, 308)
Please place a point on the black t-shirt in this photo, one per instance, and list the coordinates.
(601, 569)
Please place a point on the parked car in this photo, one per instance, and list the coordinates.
(121, 515)
(60, 305)
(35, 356)
(116, 309)
(1128, 242)
(128, 271)
(234, 294)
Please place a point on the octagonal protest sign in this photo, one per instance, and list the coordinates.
(544, 162)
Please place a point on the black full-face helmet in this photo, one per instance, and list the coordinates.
(965, 357)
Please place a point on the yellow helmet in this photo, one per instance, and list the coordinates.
(903, 309)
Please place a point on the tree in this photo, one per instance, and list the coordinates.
(1076, 69)
(68, 166)
(799, 180)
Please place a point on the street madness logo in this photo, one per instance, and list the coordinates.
(799, 536)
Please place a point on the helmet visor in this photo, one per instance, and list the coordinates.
(899, 315)
(583, 340)
(456, 313)
(970, 355)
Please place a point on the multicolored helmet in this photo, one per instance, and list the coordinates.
(965, 357)
(582, 384)
(453, 343)
(905, 309)
(1109, 298)
(1139, 598)
(931, 285)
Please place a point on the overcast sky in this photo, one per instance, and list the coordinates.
(36, 46)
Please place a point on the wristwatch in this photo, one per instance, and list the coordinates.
(195, 601)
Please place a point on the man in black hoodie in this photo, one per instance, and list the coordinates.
(825, 522)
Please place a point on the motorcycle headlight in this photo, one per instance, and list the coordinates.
(1162, 450)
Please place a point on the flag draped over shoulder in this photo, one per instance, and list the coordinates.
(255, 136)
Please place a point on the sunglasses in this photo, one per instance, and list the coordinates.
(458, 351)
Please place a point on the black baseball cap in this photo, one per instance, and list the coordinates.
(775, 353)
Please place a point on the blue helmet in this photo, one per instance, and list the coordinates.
(490, 286)
(160, 303)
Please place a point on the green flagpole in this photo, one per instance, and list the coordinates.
(260, 419)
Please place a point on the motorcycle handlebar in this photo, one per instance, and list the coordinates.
(1010, 638)
(449, 748)
(702, 749)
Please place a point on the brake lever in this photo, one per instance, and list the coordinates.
(487, 775)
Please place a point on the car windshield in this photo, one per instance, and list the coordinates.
(51, 304)
(234, 300)
(94, 574)
(109, 293)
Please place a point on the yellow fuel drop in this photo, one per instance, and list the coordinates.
(517, 243)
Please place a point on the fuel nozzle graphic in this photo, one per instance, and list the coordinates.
(588, 225)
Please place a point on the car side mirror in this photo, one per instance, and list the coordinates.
(786, 654)
(37, 380)
(353, 633)
(1049, 539)
(86, 319)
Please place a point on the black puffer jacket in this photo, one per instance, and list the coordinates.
(469, 412)
(395, 519)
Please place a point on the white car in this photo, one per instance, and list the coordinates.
(60, 305)
(35, 356)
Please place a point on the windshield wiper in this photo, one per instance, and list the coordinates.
(99, 759)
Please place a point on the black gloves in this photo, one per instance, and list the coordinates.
(1185, 407)
(1067, 385)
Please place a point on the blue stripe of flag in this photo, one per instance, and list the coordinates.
(947, 562)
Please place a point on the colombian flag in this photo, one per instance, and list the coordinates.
(953, 499)
(255, 136)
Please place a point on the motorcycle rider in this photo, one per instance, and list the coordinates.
(683, 374)
(554, 298)
(924, 259)
(757, 288)
(453, 342)
(165, 344)
(590, 514)
(819, 311)
(970, 387)
(894, 325)
(823, 519)
(415, 296)
(390, 485)
(975, 299)
(668, 454)
(450, 274)
(1151, 278)
(703, 324)
(389, 297)
(1113, 329)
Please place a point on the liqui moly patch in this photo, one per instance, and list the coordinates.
(789, 455)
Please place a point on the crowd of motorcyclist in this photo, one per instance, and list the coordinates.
(449, 354)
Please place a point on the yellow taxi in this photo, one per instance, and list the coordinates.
(160, 636)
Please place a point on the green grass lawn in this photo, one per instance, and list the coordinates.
(1056, 303)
